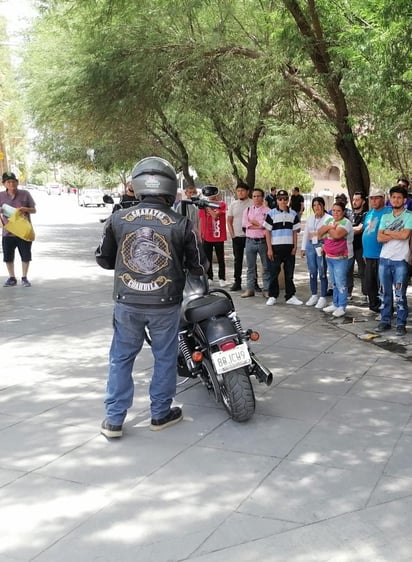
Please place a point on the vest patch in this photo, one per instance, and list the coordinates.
(150, 215)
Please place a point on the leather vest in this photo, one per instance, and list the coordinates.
(151, 242)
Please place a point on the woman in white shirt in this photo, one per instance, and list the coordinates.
(312, 248)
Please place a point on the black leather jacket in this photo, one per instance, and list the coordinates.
(149, 246)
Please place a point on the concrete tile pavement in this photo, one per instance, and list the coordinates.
(322, 472)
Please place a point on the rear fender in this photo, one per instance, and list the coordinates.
(217, 329)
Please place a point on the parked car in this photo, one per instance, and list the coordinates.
(54, 189)
(89, 197)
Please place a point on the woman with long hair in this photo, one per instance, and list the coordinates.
(312, 248)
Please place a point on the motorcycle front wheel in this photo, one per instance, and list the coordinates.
(237, 395)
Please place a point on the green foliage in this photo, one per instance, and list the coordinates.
(226, 87)
(283, 176)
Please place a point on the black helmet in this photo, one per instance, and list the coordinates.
(154, 176)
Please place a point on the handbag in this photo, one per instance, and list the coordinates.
(20, 226)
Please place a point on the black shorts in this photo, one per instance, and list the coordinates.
(10, 243)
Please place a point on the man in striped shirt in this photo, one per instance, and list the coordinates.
(282, 226)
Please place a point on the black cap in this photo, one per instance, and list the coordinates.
(8, 176)
(341, 196)
(282, 193)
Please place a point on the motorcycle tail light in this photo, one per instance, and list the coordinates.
(197, 356)
(227, 345)
(254, 336)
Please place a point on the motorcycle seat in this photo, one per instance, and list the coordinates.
(206, 307)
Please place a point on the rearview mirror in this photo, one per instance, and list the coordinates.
(209, 190)
(107, 199)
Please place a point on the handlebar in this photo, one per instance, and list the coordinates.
(201, 203)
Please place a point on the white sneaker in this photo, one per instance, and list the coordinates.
(330, 308)
(339, 312)
(321, 302)
(222, 283)
(313, 300)
(294, 300)
(271, 301)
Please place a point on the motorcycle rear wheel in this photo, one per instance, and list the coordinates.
(237, 395)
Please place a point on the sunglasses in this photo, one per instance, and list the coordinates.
(283, 198)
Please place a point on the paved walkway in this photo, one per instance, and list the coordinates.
(322, 472)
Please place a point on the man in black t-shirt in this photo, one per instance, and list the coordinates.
(357, 219)
(297, 203)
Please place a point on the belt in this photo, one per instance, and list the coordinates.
(256, 239)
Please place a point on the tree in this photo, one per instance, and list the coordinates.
(276, 79)
(318, 27)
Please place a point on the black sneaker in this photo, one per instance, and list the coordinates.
(329, 293)
(111, 431)
(258, 289)
(235, 287)
(382, 327)
(400, 331)
(174, 416)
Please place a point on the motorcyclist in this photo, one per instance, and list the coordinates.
(148, 246)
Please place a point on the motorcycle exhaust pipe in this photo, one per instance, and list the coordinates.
(261, 372)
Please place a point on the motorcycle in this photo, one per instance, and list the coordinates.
(213, 346)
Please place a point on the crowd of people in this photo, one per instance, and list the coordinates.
(371, 236)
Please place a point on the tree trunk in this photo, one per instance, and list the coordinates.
(251, 171)
(334, 107)
(356, 171)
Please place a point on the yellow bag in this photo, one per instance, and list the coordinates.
(20, 226)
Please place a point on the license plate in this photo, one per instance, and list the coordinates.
(224, 361)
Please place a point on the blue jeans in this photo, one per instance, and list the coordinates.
(317, 268)
(338, 270)
(128, 339)
(255, 247)
(393, 275)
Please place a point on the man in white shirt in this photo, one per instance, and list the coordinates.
(234, 225)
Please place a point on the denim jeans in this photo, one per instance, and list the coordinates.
(128, 339)
(372, 283)
(393, 275)
(255, 247)
(338, 270)
(282, 254)
(317, 268)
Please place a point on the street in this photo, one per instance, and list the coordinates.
(321, 473)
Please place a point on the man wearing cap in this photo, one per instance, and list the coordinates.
(282, 226)
(19, 199)
(371, 246)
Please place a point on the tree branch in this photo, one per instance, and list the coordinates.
(311, 93)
